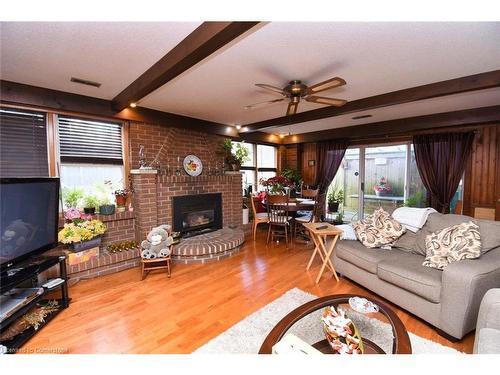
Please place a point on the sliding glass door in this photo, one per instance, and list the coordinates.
(384, 178)
(376, 176)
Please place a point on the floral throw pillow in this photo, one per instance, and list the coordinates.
(378, 229)
(461, 241)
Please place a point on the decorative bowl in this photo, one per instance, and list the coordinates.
(340, 331)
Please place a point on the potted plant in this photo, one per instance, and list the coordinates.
(121, 196)
(277, 185)
(80, 232)
(90, 203)
(104, 195)
(294, 176)
(234, 156)
(72, 196)
(105, 206)
(383, 187)
(334, 200)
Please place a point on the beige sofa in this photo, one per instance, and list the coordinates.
(448, 299)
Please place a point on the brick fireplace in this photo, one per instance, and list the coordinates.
(197, 214)
(154, 193)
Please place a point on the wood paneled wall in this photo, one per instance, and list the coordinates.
(482, 181)
(308, 155)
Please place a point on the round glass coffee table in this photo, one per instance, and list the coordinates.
(381, 331)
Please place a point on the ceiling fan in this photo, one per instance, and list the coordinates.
(296, 90)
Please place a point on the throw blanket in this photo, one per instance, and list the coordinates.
(412, 218)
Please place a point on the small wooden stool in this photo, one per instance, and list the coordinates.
(155, 264)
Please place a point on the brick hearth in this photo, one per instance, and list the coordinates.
(210, 246)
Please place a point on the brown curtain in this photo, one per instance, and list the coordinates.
(441, 162)
(329, 155)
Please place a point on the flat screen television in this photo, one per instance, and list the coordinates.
(28, 219)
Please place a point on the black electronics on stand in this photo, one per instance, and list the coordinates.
(29, 217)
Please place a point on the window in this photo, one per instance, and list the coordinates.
(262, 164)
(91, 152)
(23, 143)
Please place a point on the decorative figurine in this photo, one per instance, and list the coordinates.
(142, 157)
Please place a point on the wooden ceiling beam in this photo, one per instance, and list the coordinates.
(201, 43)
(453, 86)
(404, 126)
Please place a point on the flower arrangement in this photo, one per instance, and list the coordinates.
(383, 187)
(122, 192)
(277, 184)
(80, 227)
(340, 331)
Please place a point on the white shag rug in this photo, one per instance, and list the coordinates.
(247, 336)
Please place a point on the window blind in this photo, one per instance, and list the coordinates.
(23, 143)
(85, 141)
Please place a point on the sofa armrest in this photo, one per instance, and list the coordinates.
(489, 314)
(464, 284)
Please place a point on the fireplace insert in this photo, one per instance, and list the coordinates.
(197, 214)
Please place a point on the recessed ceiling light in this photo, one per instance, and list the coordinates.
(133, 105)
(238, 127)
(85, 82)
(282, 135)
(360, 117)
(244, 129)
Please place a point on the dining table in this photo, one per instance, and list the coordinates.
(297, 204)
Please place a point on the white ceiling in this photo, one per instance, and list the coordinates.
(373, 58)
(48, 54)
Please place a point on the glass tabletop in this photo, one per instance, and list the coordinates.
(343, 324)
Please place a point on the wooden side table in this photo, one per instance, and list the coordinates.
(155, 264)
(320, 237)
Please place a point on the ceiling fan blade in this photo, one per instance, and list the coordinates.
(271, 88)
(262, 103)
(326, 85)
(292, 108)
(324, 100)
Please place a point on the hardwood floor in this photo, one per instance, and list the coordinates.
(119, 313)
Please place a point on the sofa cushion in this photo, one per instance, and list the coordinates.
(490, 234)
(406, 242)
(406, 272)
(378, 229)
(436, 222)
(488, 341)
(356, 253)
(489, 229)
(452, 244)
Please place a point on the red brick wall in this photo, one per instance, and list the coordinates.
(178, 143)
(153, 193)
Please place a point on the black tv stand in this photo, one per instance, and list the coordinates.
(25, 275)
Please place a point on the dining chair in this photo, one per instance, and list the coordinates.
(313, 217)
(258, 217)
(279, 218)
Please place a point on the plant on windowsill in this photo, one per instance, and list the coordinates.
(80, 231)
(90, 203)
(103, 191)
(121, 196)
(72, 196)
(383, 187)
